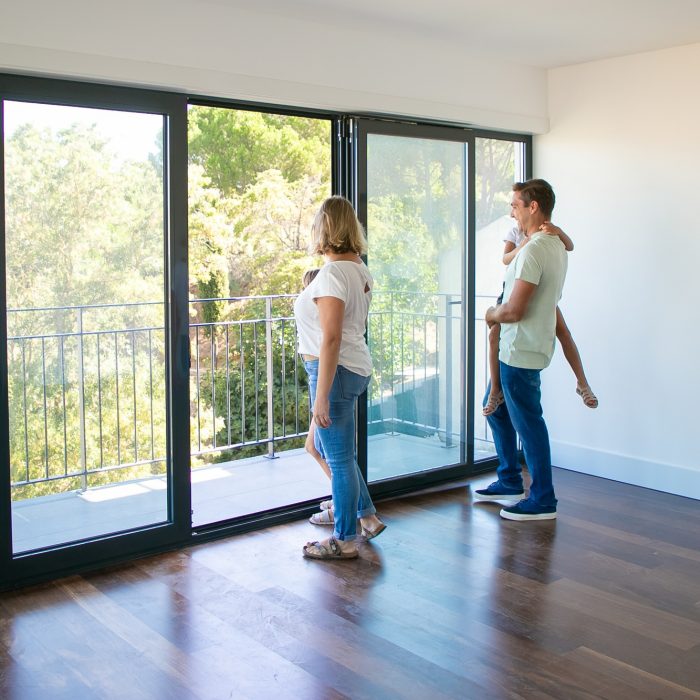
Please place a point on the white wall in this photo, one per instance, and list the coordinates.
(623, 153)
(214, 48)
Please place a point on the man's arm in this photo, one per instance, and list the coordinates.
(510, 252)
(514, 309)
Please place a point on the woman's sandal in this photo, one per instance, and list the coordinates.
(326, 505)
(324, 517)
(371, 534)
(589, 398)
(331, 550)
(495, 400)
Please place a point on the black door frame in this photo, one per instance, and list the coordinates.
(28, 566)
(363, 127)
(356, 132)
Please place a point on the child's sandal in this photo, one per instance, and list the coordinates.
(589, 398)
(495, 400)
(324, 517)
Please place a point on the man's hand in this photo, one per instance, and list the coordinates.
(514, 309)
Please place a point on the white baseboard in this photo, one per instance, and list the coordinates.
(669, 478)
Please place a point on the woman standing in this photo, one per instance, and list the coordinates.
(331, 316)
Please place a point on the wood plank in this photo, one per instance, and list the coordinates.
(627, 614)
(639, 680)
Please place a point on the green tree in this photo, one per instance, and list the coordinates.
(256, 181)
(84, 227)
(495, 174)
(234, 146)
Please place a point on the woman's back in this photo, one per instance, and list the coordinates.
(352, 283)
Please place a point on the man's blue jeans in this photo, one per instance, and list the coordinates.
(521, 414)
(336, 443)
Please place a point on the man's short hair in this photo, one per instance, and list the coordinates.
(539, 191)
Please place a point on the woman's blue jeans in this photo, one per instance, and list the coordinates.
(521, 413)
(336, 443)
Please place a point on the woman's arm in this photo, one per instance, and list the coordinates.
(331, 311)
(552, 230)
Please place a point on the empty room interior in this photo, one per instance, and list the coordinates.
(162, 165)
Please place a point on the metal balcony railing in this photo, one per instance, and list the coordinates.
(89, 398)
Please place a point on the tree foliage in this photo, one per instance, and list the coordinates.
(87, 385)
(495, 174)
(85, 226)
(234, 146)
(256, 181)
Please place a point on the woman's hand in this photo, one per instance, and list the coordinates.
(321, 412)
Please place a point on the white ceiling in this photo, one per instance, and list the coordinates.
(542, 33)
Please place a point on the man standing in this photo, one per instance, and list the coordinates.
(533, 285)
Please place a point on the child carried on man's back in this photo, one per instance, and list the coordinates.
(515, 240)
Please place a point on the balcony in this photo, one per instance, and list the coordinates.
(88, 423)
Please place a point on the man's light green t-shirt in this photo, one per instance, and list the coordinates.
(529, 343)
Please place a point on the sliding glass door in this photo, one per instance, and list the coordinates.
(90, 312)
(499, 162)
(256, 180)
(435, 201)
(150, 253)
(412, 196)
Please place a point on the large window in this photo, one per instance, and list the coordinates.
(255, 182)
(416, 194)
(84, 240)
(498, 164)
(151, 390)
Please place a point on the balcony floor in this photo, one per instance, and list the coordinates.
(219, 492)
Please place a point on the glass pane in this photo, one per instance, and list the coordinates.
(255, 183)
(498, 165)
(86, 344)
(416, 230)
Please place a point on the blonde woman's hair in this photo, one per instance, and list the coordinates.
(336, 229)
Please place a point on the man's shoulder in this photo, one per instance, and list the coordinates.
(545, 245)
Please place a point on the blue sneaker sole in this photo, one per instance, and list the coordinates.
(528, 516)
(499, 497)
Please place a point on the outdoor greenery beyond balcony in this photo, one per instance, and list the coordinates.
(89, 257)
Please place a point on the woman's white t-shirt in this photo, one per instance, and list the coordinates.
(352, 283)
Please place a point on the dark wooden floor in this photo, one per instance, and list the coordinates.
(450, 602)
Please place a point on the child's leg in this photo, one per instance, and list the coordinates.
(310, 447)
(494, 369)
(496, 394)
(573, 357)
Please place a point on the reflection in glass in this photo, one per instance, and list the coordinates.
(416, 231)
(86, 345)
